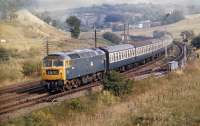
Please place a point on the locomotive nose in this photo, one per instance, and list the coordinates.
(52, 74)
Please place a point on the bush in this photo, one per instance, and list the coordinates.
(196, 42)
(77, 105)
(112, 37)
(118, 84)
(4, 54)
(30, 68)
(10, 71)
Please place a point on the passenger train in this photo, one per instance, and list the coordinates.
(66, 70)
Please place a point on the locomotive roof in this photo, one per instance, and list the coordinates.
(81, 53)
(118, 47)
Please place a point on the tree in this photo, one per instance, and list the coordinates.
(173, 17)
(187, 35)
(196, 42)
(74, 24)
(112, 37)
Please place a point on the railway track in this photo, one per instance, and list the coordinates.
(19, 87)
(19, 96)
(45, 97)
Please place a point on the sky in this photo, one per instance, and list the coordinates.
(62, 4)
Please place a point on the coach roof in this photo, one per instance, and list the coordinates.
(117, 48)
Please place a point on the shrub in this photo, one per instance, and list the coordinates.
(118, 84)
(112, 37)
(196, 42)
(76, 105)
(30, 68)
(4, 54)
(10, 71)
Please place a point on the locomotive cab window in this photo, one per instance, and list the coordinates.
(47, 63)
(57, 63)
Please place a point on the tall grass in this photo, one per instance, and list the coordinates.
(169, 101)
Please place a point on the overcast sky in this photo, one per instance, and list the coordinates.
(79, 3)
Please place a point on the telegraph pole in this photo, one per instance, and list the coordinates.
(166, 53)
(95, 36)
(128, 34)
(124, 34)
(185, 52)
(47, 46)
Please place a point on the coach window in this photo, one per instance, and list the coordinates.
(138, 51)
(133, 52)
(124, 54)
(115, 57)
(143, 49)
(111, 57)
(129, 53)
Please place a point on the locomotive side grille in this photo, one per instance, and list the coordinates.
(52, 72)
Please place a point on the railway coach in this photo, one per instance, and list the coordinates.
(66, 70)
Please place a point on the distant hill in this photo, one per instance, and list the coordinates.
(27, 19)
(25, 30)
(192, 22)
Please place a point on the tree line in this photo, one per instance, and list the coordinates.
(10, 6)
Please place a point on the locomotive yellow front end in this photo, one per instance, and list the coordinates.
(53, 72)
